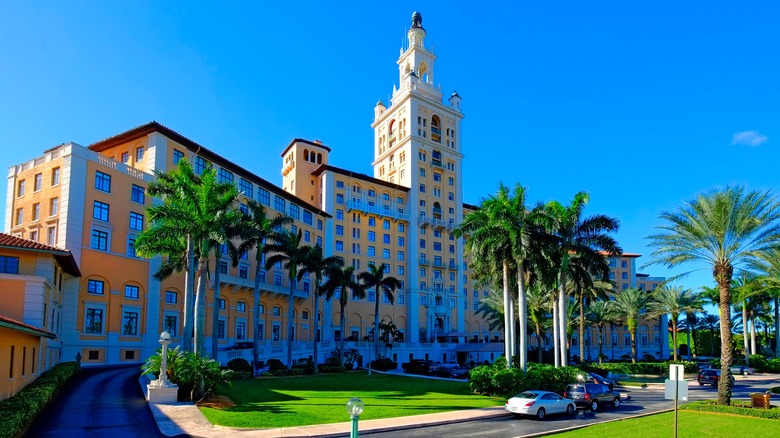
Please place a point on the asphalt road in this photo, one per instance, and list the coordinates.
(642, 401)
(100, 402)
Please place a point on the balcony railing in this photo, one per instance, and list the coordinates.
(425, 261)
(438, 263)
(453, 266)
(380, 211)
(269, 287)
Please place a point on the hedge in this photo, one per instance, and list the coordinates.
(497, 380)
(18, 411)
(738, 407)
(384, 364)
(638, 368)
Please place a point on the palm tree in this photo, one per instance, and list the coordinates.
(342, 279)
(225, 233)
(674, 301)
(318, 265)
(375, 278)
(539, 306)
(769, 265)
(171, 234)
(586, 290)
(708, 322)
(287, 250)
(572, 235)
(600, 314)
(631, 304)
(725, 229)
(257, 231)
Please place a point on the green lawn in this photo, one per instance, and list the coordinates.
(690, 425)
(304, 400)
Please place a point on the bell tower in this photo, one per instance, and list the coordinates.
(417, 145)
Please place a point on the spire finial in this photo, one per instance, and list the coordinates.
(416, 20)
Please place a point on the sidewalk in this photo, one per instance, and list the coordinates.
(186, 419)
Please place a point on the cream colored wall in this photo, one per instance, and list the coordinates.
(26, 353)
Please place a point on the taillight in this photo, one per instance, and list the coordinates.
(530, 404)
(587, 397)
(565, 394)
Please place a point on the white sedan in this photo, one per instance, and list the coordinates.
(539, 404)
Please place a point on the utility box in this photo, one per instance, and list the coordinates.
(760, 400)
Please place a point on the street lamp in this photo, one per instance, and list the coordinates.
(165, 339)
(354, 409)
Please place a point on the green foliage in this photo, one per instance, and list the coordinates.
(638, 368)
(384, 364)
(200, 375)
(736, 408)
(759, 362)
(306, 366)
(773, 366)
(18, 411)
(172, 360)
(775, 390)
(275, 365)
(497, 380)
(239, 364)
(328, 368)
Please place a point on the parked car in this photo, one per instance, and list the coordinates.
(591, 395)
(742, 369)
(704, 365)
(539, 404)
(711, 377)
(595, 378)
(418, 366)
(460, 373)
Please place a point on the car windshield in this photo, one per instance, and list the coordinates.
(576, 388)
(527, 394)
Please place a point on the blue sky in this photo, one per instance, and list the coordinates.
(641, 105)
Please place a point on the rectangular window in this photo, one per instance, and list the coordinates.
(125, 157)
(277, 279)
(131, 247)
(51, 235)
(54, 206)
(38, 182)
(137, 194)
(177, 156)
(400, 255)
(437, 246)
(339, 184)
(371, 236)
(339, 198)
(36, 211)
(93, 321)
(623, 264)
(240, 330)
(95, 287)
(307, 217)
(130, 323)
(9, 265)
(279, 203)
(241, 306)
(624, 275)
(20, 188)
(99, 240)
(224, 176)
(319, 224)
(339, 230)
(319, 240)
(139, 154)
(400, 241)
(221, 329)
(263, 196)
(100, 211)
(171, 325)
(55, 176)
(339, 245)
(136, 221)
(372, 251)
(102, 182)
(295, 212)
(201, 165)
(246, 187)
(171, 297)
(386, 253)
(131, 292)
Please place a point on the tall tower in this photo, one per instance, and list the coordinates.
(416, 144)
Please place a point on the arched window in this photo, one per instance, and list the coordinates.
(319, 158)
(391, 129)
(436, 129)
(437, 210)
(305, 155)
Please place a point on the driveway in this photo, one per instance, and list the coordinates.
(100, 402)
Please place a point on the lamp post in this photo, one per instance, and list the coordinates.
(162, 390)
(354, 409)
(165, 339)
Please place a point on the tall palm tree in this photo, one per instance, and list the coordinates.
(708, 323)
(769, 267)
(342, 279)
(600, 314)
(226, 232)
(631, 304)
(318, 265)
(571, 234)
(674, 301)
(171, 234)
(287, 250)
(375, 278)
(540, 305)
(726, 229)
(259, 229)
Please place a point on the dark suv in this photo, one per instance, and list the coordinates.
(710, 376)
(591, 395)
(418, 366)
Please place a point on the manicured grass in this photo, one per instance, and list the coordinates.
(305, 400)
(690, 425)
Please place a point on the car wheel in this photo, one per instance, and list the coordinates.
(745, 373)
(701, 384)
(570, 410)
(594, 406)
(616, 403)
(540, 414)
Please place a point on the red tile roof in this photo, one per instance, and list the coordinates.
(22, 327)
(63, 256)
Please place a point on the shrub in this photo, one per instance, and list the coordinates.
(327, 368)
(737, 408)
(384, 364)
(239, 364)
(196, 376)
(759, 362)
(306, 366)
(18, 411)
(497, 380)
(275, 365)
(773, 366)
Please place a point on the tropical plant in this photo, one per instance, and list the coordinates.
(674, 301)
(768, 265)
(287, 250)
(342, 280)
(600, 314)
(630, 304)
(708, 323)
(726, 229)
(203, 373)
(316, 264)
(539, 306)
(375, 279)
(258, 230)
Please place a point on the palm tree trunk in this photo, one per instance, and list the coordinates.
(582, 328)
(522, 312)
(342, 323)
(674, 335)
(745, 340)
(200, 306)
(189, 295)
(539, 342)
(507, 317)
(562, 321)
(256, 328)
(215, 317)
(601, 344)
(376, 328)
(753, 349)
(290, 316)
(688, 339)
(633, 345)
(556, 335)
(316, 323)
(777, 327)
(722, 276)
